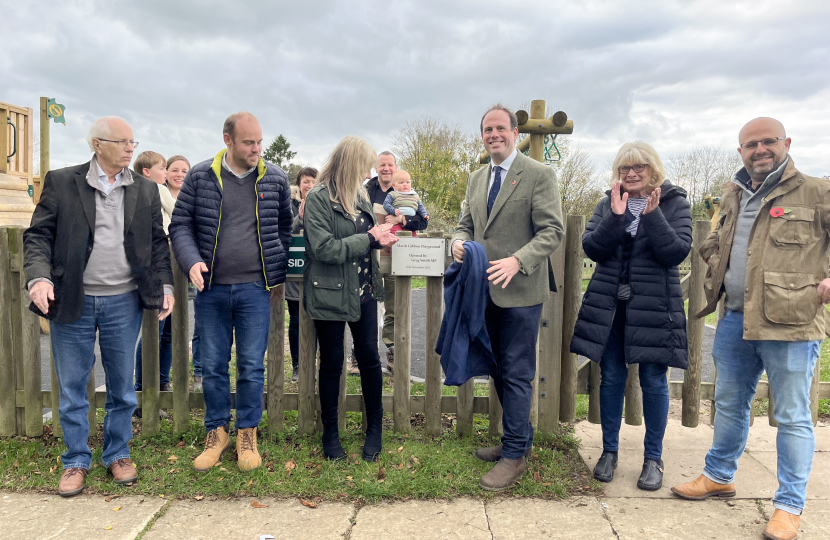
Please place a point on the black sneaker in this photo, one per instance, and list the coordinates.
(604, 469)
(651, 479)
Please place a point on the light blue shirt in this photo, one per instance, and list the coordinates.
(106, 187)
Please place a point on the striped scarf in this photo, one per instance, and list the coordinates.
(636, 205)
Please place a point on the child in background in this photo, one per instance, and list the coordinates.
(403, 201)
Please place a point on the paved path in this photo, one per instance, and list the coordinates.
(623, 512)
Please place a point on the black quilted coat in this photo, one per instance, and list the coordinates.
(655, 327)
(197, 216)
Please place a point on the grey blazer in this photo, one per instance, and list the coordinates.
(526, 222)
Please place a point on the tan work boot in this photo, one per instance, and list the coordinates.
(493, 453)
(216, 442)
(782, 526)
(703, 488)
(123, 471)
(246, 450)
(72, 482)
(506, 473)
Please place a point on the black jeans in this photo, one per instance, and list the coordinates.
(294, 330)
(331, 339)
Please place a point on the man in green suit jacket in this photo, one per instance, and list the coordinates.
(513, 210)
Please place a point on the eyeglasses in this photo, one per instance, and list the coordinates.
(121, 143)
(752, 145)
(637, 169)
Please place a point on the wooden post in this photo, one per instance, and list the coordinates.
(593, 396)
(8, 406)
(495, 411)
(57, 429)
(572, 291)
(464, 409)
(695, 327)
(432, 383)
(633, 397)
(150, 372)
(44, 141)
(536, 151)
(306, 403)
(181, 349)
(91, 418)
(550, 348)
(403, 350)
(275, 357)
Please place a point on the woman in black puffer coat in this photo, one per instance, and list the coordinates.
(632, 312)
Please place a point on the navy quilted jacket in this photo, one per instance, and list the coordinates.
(198, 215)
(655, 324)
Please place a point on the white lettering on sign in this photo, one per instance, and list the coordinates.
(418, 256)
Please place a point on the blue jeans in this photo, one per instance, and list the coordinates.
(614, 375)
(165, 353)
(224, 310)
(118, 321)
(789, 366)
(513, 334)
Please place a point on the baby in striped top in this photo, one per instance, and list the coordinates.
(403, 201)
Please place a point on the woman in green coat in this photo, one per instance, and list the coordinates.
(342, 283)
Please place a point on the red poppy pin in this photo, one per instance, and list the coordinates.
(262, 195)
(776, 212)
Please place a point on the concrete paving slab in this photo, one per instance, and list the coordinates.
(519, 519)
(815, 521)
(680, 465)
(631, 437)
(34, 517)
(461, 519)
(685, 520)
(819, 485)
(237, 519)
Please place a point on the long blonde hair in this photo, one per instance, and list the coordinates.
(345, 169)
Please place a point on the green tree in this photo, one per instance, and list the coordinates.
(278, 152)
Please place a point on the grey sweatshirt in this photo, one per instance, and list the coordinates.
(735, 279)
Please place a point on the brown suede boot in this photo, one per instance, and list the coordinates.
(703, 488)
(493, 453)
(123, 471)
(782, 526)
(72, 482)
(216, 442)
(246, 450)
(506, 473)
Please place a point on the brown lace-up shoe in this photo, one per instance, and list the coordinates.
(72, 482)
(123, 471)
(782, 526)
(493, 453)
(247, 454)
(506, 473)
(216, 442)
(703, 488)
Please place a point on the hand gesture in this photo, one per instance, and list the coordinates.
(653, 201)
(167, 307)
(378, 230)
(458, 251)
(392, 220)
(386, 239)
(618, 204)
(503, 270)
(426, 217)
(41, 293)
(397, 211)
(823, 291)
(302, 208)
(196, 275)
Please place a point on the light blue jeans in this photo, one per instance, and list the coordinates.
(789, 366)
(118, 321)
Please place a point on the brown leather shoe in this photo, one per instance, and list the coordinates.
(506, 473)
(493, 453)
(123, 471)
(72, 482)
(216, 442)
(703, 488)
(782, 526)
(248, 457)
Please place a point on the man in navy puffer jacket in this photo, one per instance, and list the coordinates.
(231, 228)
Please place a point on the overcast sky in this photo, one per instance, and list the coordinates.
(676, 74)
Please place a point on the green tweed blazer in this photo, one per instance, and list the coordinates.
(526, 222)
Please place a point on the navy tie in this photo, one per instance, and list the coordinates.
(494, 191)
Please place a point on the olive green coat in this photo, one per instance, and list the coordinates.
(333, 251)
(787, 258)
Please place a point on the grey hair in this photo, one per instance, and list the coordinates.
(100, 130)
(388, 153)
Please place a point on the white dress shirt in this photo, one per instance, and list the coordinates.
(505, 166)
(227, 168)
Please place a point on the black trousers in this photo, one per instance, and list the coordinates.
(330, 335)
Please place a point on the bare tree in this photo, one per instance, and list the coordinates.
(580, 187)
(703, 171)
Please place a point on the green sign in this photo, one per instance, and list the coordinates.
(296, 255)
(55, 111)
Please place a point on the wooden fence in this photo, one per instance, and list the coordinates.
(559, 378)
